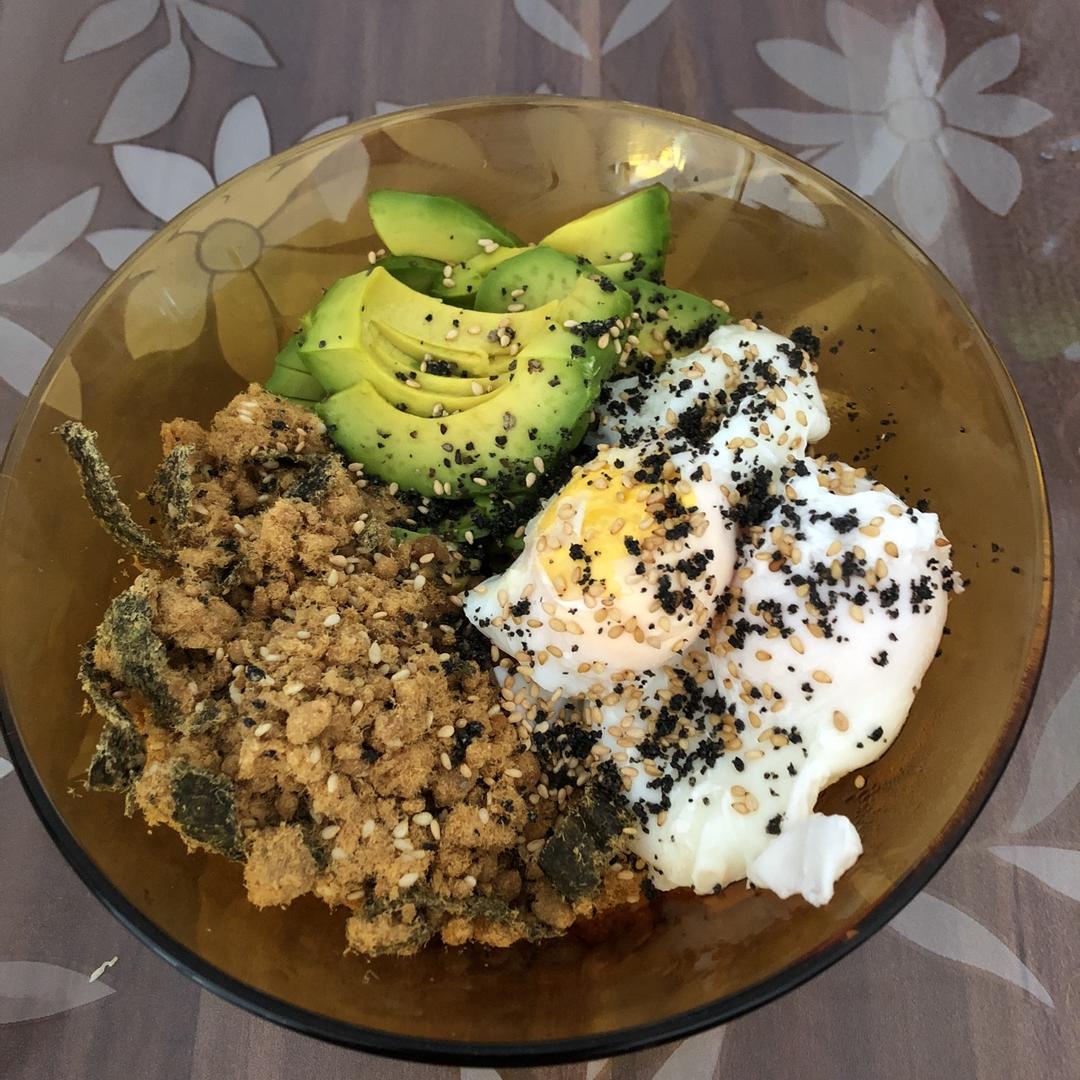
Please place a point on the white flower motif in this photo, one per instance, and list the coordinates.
(22, 352)
(897, 115)
(255, 263)
(164, 182)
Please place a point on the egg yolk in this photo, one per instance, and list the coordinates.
(602, 523)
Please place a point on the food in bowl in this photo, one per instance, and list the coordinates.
(515, 595)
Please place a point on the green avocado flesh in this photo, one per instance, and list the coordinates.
(419, 325)
(419, 274)
(433, 226)
(534, 278)
(625, 239)
(465, 278)
(673, 322)
(295, 385)
(538, 407)
(291, 378)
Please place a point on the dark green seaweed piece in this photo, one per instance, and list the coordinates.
(204, 810)
(99, 687)
(126, 632)
(101, 494)
(581, 844)
(312, 486)
(121, 748)
(118, 758)
(571, 859)
(205, 719)
(311, 830)
(173, 489)
(432, 910)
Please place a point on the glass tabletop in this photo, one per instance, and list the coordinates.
(959, 122)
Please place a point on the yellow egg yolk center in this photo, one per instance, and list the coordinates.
(593, 534)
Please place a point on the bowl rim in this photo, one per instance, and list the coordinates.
(623, 1040)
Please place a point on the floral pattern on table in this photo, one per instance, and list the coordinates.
(940, 116)
(898, 117)
(214, 264)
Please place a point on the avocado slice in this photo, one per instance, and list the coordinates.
(541, 411)
(673, 322)
(412, 270)
(466, 277)
(637, 226)
(338, 369)
(433, 226)
(418, 324)
(534, 278)
(291, 378)
(295, 385)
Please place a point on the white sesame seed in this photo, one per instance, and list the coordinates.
(515, 307)
(330, 832)
(263, 729)
(367, 829)
(293, 688)
(339, 854)
(626, 256)
(332, 783)
(332, 619)
(375, 653)
(406, 881)
(314, 755)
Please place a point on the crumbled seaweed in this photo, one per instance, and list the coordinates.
(571, 859)
(205, 719)
(205, 811)
(428, 911)
(126, 632)
(118, 758)
(580, 845)
(311, 830)
(312, 486)
(99, 687)
(121, 748)
(173, 490)
(100, 491)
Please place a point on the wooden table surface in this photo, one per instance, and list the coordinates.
(969, 139)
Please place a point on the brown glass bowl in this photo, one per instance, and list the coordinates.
(202, 307)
